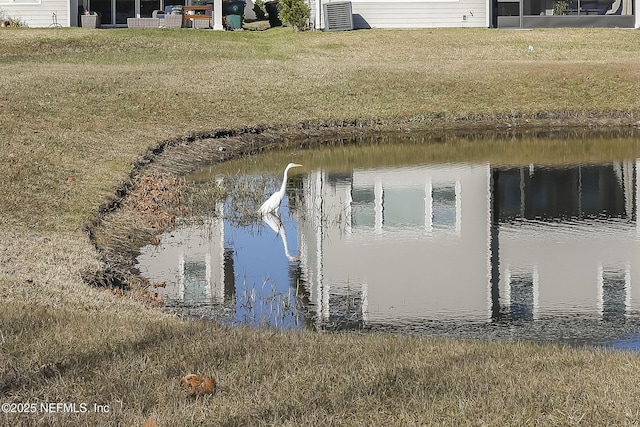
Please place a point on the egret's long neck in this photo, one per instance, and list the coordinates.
(283, 187)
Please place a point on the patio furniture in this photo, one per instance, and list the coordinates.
(193, 14)
(171, 21)
(143, 22)
(90, 21)
(201, 23)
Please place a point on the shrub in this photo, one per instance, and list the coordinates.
(294, 13)
(7, 21)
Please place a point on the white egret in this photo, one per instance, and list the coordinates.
(273, 203)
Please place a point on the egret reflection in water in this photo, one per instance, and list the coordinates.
(274, 222)
(447, 248)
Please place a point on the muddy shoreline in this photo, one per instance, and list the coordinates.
(151, 198)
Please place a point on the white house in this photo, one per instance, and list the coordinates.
(42, 13)
(358, 14)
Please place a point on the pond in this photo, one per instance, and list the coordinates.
(528, 238)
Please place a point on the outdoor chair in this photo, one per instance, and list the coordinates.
(143, 22)
(171, 21)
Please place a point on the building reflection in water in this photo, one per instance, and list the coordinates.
(566, 238)
(466, 242)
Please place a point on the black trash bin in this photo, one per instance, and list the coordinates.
(272, 10)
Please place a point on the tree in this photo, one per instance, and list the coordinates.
(294, 13)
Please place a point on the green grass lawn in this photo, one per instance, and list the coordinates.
(80, 112)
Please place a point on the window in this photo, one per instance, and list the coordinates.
(577, 7)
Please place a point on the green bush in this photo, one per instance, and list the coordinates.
(294, 13)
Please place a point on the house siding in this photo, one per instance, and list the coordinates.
(416, 14)
(41, 15)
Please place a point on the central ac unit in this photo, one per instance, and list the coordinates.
(337, 16)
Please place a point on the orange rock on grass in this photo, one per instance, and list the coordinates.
(197, 385)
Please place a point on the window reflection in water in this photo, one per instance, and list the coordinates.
(522, 294)
(196, 279)
(363, 212)
(444, 206)
(348, 307)
(614, 292)
(404, 207)
(558, 193)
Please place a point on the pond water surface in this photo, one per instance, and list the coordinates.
(528, 247)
